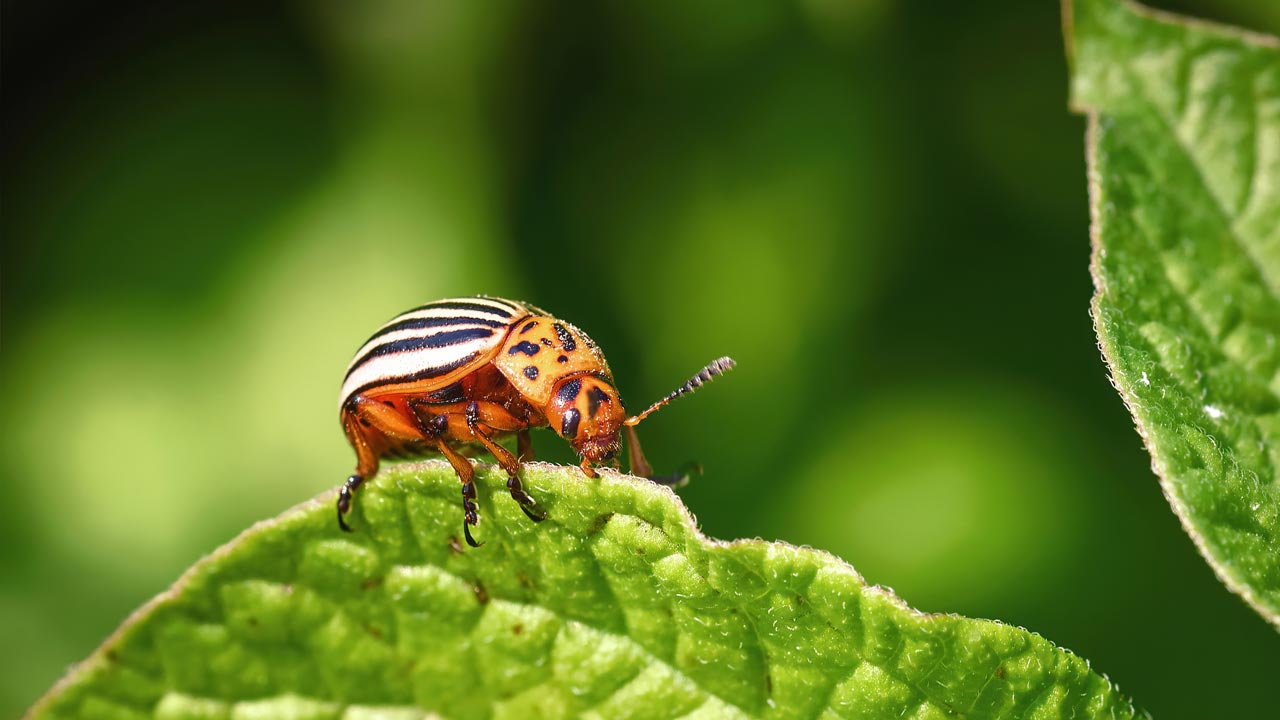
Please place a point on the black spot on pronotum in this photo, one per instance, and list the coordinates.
(528, 326)
(568, 392)
(562, 359)
(566, 338)
(365, 422)
(546, 341)
(569, 426)
(524, 346)
(595, 396)
(531, 372)
(388, 403)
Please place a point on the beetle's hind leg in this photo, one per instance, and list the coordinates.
(504, 457)
(357, 427)
(345, 494)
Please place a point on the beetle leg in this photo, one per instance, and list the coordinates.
(506, 460)
(345, 493)
(524, 447)
(680, 477)
(356, 429)
(467, 474)
(640, 466)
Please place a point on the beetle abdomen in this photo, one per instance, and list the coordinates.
(433, 344)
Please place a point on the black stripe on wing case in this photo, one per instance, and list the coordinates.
(474, 306)
(420, 323)
(425, 342)
(423, 374)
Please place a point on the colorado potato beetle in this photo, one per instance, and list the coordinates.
(457, 375)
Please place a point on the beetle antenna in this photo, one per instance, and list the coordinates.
(716, 367)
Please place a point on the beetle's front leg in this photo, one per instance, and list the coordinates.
(480, 421)
(640, 466)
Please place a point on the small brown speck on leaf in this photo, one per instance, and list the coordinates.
(599, 523)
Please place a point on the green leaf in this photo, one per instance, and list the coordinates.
(615, 607)
(1184, 181)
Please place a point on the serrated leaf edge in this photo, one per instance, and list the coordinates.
(1094, 181)
(323, 503)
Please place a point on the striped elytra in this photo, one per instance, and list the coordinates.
(463, 373)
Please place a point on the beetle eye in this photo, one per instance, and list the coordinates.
(610, 455)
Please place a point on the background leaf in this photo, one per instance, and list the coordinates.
(1185, 190)
(615, 606)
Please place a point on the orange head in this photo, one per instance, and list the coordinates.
(586, 411)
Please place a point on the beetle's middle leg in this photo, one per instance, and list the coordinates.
(479, 421)
(434, 428)
(640, 466)
(467, 474)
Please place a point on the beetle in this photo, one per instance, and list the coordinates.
(456, 375)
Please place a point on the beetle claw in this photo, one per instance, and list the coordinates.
(466, 532)
(532, 515)
(681, 477)
(344, 499)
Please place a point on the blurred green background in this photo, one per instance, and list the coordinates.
(877, 207)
